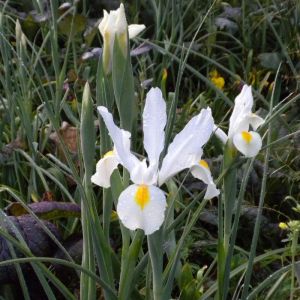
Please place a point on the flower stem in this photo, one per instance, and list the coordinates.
(225, 213)
(156, 258)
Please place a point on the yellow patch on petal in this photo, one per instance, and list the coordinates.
(106, 36)
(203, 164)
(247, 137)
(108, 154)
(142, 196)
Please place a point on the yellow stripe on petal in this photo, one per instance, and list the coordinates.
(142, 196)
(247, 137)
(203, 164)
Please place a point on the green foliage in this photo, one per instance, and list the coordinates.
(45, 81)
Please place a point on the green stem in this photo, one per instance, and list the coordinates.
(221, 256)
(235, 226)
(156, 258)
(225, 213)
(257, 222)
(261, 198)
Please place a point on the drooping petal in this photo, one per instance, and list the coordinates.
(211, 191)
(248, 143)
(121, 140)
(221, 135)
(242, 108)
(255, 121)
(135, 29)
(142, 207)
(104, 169)
(186, 148)
(154, 122)
(202, 172)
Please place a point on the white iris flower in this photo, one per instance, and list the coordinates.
(113, 25)
(247, 142)
(142, 204)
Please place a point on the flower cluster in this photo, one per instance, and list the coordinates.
(142, 204)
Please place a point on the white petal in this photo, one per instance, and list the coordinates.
(103, 22)
(121, 23)
(135, 29)
(154, 122)
(211, 191)
(121, 139)
(142, 174)
(242, 108)
(202, 172)
(149, 217)
(248, 143)
(186, 148)
(255, 121)
(104, 169)
(220, 134)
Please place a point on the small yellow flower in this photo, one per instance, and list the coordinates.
(283, 226)
(217, 79)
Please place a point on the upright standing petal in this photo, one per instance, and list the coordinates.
(121, 139)
(202, 172)
(121, 30)
(103, 23)
(186, 148)
(248, 143)
(242, 108)
(121, 22)
(142, 207)
(104, 169)
(143, 174)
(154, 122)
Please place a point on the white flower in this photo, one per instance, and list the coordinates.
(113, 25)
(142, 204)
(247, 142)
